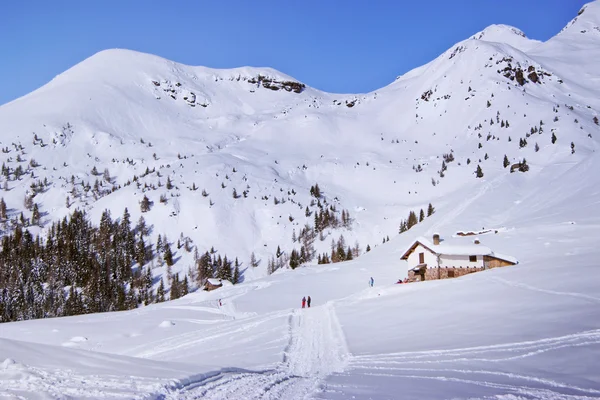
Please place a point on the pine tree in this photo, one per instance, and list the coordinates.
(368, 248)
(184, 286)
(537, 147)
(253, 261)
(145, 204)
(553, 138)
(160, 292)
(159, 244)
(421, 216)
(3, 209)
(479, 172)
(175, 289)
(572, 148)
(140, 255)
(169, 183)
(168, 255)
(35, 216)
(506, 163)
(236, 274)
(278, 252)
(294, 259)
(349, 254)
(412, 220)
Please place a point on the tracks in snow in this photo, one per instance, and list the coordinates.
(491, 368)
(316, 349)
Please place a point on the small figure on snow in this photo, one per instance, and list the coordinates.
(371, 282)
(308, 301)
(220, 303)
(303, 302)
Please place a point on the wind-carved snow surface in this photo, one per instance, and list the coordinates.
(530, 331)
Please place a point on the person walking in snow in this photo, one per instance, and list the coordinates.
(371, 282)
(303, 302)
(308, 301)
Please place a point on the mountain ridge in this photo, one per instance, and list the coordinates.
(131, 112)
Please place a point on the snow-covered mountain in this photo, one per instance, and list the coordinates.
(528, 331)
(129, 112)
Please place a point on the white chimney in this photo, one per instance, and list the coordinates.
(436, 239)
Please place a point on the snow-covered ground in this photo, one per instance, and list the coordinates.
(530, 331)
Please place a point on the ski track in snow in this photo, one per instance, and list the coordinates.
(445, 366)
(316, 349)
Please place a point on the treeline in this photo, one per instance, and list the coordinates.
(77, 269)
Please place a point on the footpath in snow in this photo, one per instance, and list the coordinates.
(316, 349)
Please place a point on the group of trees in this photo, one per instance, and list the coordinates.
(412, 219)
(77, 268)
(340, 252)
(210, 265)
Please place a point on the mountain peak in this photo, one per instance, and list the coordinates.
(507, 34)
(498, 31)
(586, 21)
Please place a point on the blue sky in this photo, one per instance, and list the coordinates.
(338, 46)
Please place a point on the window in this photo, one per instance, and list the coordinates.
(451, 273)
(473, 258)
(421, 258)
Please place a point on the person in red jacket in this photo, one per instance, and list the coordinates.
(303, 302)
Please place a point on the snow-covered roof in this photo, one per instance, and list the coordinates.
(456, 247)
(214, 281)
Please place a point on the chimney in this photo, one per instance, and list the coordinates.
(436, 239)
(476, 241)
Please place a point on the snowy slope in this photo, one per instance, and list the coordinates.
(128, 112)
(525, 332)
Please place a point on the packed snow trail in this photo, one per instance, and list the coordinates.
(317, 348)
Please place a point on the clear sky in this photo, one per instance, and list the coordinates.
(339, 46)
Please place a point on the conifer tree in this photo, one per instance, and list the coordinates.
(35, 216)
(253, 260)
(3, 209)
(145, 204)
(159, 244)
(421, 215)
(185, 286)
(140, 254)
(349, 256)
(236, 275)
(479, 172)
(506, 163)
(169, 183)
(168, 255)
(553, 138)
(430, 210)
(412, 220)
(175, 289)
(160, 292)
(368, 248)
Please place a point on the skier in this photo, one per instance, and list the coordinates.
(371, 282)
(303, 302)
(308, 301)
